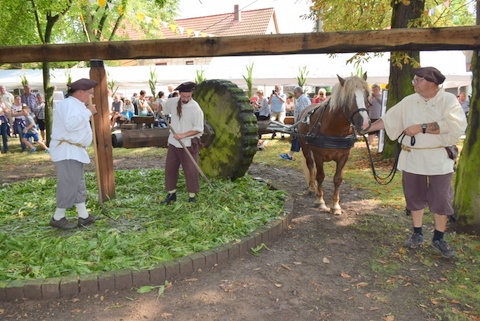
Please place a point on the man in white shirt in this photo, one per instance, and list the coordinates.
(186, 119)
(431, 119)
(71, 135)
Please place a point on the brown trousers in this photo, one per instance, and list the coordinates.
(175, 158)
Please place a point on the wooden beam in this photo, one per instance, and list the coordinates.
(103, 135)
(422, 39)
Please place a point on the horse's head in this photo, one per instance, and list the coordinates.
(352, 93)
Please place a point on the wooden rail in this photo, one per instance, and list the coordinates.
(422, 39)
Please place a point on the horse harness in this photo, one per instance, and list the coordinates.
(327, 141)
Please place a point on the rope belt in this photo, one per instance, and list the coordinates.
(74, 144)
(409, 149)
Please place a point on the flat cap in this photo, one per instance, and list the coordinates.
(186, 87)
(430, 73)
(83, 84)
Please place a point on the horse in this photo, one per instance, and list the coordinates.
(326, 134)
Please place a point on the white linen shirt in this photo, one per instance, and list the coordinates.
(71, 122)
(427, 156)
(192, 119)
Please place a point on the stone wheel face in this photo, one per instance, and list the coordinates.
(227, 109)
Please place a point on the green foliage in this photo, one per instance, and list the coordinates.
(373, 14)
(24, 80)
(152, 81)
(302, 77)
(136, 232)
(249, 79)
(200, 76)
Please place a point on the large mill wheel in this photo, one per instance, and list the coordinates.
(228, 111)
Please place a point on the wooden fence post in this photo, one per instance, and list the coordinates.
(103, 135)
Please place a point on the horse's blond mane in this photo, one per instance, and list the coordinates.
(341, 94)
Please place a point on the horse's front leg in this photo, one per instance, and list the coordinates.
(337, 181)
(320, 202)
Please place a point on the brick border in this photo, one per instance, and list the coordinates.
(126, 279)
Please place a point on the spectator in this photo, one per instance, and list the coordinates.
(375, 110)
(277, 106)
(71, 135)
(29, 98)
(462, 99)
(117, 108)
(8, 100)
(135, 103)
(170, 91)
(19, 120)
(30, 131)
(321, 97)
(262, 107)
(128, 109)
(40, 115)
(302, 102)
(4, 125)
(289, 106)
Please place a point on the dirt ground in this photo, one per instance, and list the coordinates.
(320, 269)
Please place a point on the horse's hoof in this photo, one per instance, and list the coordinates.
(336, 211)
(321, 206)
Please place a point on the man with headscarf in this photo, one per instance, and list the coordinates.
(432, 120)
(71, 135)
(186, 119)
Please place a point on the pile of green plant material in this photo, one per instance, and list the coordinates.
(136, 231)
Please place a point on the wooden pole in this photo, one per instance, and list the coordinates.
(103, 139)
(402, 39)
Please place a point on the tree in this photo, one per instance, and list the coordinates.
(467, 187)
(60, 21)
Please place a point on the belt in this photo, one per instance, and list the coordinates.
(68, 142)
(409, 148)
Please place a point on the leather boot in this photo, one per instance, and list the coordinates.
(192, 199)
(170, 198)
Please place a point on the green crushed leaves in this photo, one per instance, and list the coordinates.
(136, 232)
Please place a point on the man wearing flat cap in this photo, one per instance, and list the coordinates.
(432, 120)
(71, 135)
(186, 118)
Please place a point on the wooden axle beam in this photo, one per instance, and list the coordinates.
(411, 39)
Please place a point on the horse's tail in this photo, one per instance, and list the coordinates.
(309, 169)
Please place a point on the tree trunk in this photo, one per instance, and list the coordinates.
(400, 79)
(467, 186)
(48, 89)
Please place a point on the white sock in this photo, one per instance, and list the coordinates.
(172, 191)
(81, 210)
(59, 214)
(191, 194)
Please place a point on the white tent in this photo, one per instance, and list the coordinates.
(267, 71)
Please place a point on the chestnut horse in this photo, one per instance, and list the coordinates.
(326, 134)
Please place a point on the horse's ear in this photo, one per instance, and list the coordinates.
(341, 80)
(365, 76)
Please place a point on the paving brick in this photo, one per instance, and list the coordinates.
(288, 206)
(14, 290)
(210, 258)
(233, 250)
(106, 281)
(276, 229)
(51, 288)
(265, 233)
(32, 289)
(244, 245)
(222, 253)
(172, 270)
(140, 278)
(3, 296)
(186, 265)
(123, 280)
(198, 261)
(157, 274)
(88, 283)
(69, 286)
